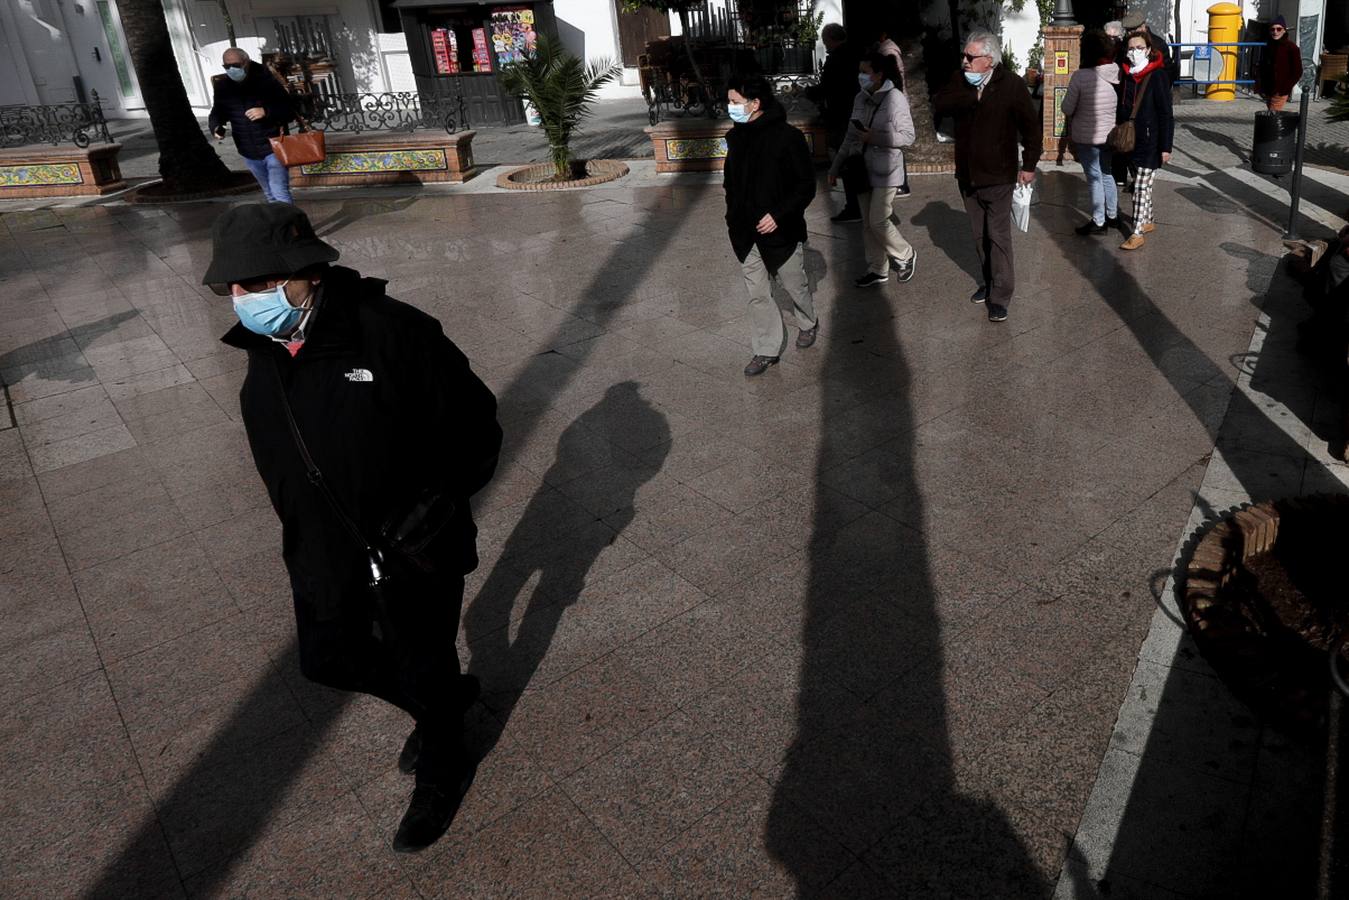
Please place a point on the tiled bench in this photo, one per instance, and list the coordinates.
(61, 171)
(699, 145)
(383, 157)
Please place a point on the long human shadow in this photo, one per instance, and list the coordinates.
(1176, 830)
(948, 228)
(258, 783)
(57, 355)
(352, 211)
(505, 665)
(867, 803)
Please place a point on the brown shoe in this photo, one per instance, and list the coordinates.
(807, 338)
(759, 364)
(1149, 228)
(1133, 243)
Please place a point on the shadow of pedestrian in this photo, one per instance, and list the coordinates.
(60, 355)
(560, 540)
(949, 230)
(1227, 142)
(353, 211)
(866, 803)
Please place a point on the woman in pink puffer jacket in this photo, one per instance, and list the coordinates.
(1089, 107)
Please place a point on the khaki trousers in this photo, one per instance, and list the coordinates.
(768, 336)
(880, 235)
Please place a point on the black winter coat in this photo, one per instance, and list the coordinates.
(768, 170)
(835, 93)
(1154, 126)
(388, 408)
(989, 128)
(233, 98)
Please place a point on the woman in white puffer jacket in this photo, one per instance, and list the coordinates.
(881, 126)
(1089, 106)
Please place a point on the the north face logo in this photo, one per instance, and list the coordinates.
(360, 375)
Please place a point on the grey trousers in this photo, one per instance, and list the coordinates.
(990, 212)
(768, 336)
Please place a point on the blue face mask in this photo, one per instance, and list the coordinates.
(267, 312)
(738, 113)
(236, 73)
(976, 78)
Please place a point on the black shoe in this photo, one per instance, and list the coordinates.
(997, 313)
(759, 364)
(870, 279)
(904, 269)
(430, 813)
(1089, 228)
(1112, 224)
(980, 295)
(847, 215)
(469, 690)
(903, 191)
(806, 339)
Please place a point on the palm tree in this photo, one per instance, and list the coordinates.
(187, 162)
(560, 88)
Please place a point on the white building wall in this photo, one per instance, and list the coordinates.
(1020, 32)
(589, 28)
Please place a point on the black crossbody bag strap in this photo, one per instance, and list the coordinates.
(317, 480)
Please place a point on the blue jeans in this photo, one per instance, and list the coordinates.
(275, 178)
(1095, 161)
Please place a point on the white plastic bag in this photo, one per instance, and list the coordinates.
(1021, 195)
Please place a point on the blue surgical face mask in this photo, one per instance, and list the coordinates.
(236, 73)
(976, 78)
(864, 81)
(738, 113)
(267, 312)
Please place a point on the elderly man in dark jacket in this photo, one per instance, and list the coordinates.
(256, 107)
(370, 432)
(993, 111)
(769, 181)
(1280, 66)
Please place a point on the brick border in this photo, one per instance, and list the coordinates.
(606, 169)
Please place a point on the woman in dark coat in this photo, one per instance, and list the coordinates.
(1280, 67)
(1145, 81)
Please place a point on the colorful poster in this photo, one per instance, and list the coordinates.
(482, 60)
(446, 51)
(1060, 62)
(1059, 123)
(513, 34)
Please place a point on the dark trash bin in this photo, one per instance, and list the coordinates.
(1275, 142)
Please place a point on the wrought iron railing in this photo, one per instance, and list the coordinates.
(389, 111)
(54, 123)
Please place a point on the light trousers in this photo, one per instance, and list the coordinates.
(768, 336)
(880, 235)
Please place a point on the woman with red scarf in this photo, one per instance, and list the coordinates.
(1145, 83)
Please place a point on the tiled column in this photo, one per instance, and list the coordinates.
(1062, 48)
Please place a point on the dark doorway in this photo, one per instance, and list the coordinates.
(637, 29)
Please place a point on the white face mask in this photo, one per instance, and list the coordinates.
(864, 81)
(1138, 58)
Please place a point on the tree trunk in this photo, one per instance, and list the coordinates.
(709, 102)
(187, 162)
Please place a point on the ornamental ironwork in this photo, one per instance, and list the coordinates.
(388, 111)
(54, 123)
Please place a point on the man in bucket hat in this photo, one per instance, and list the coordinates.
(367, 425)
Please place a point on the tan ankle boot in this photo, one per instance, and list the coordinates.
(1133, 243)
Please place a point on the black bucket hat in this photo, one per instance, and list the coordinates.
(256, 239)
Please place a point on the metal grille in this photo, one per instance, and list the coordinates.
(388, 111)
(78, 123)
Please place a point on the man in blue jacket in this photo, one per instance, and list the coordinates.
(256, 107)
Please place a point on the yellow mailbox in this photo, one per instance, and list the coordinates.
(1224, 27)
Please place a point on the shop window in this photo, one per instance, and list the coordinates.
(459, 44)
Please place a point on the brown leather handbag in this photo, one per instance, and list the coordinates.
(302, 149)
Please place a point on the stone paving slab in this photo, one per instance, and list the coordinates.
(861, 627)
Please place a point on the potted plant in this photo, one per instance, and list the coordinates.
(561, 88)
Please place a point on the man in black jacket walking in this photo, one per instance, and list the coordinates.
(368, 393)
(256, 107)
(993, 112)
(834, 94)
(769, 181)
